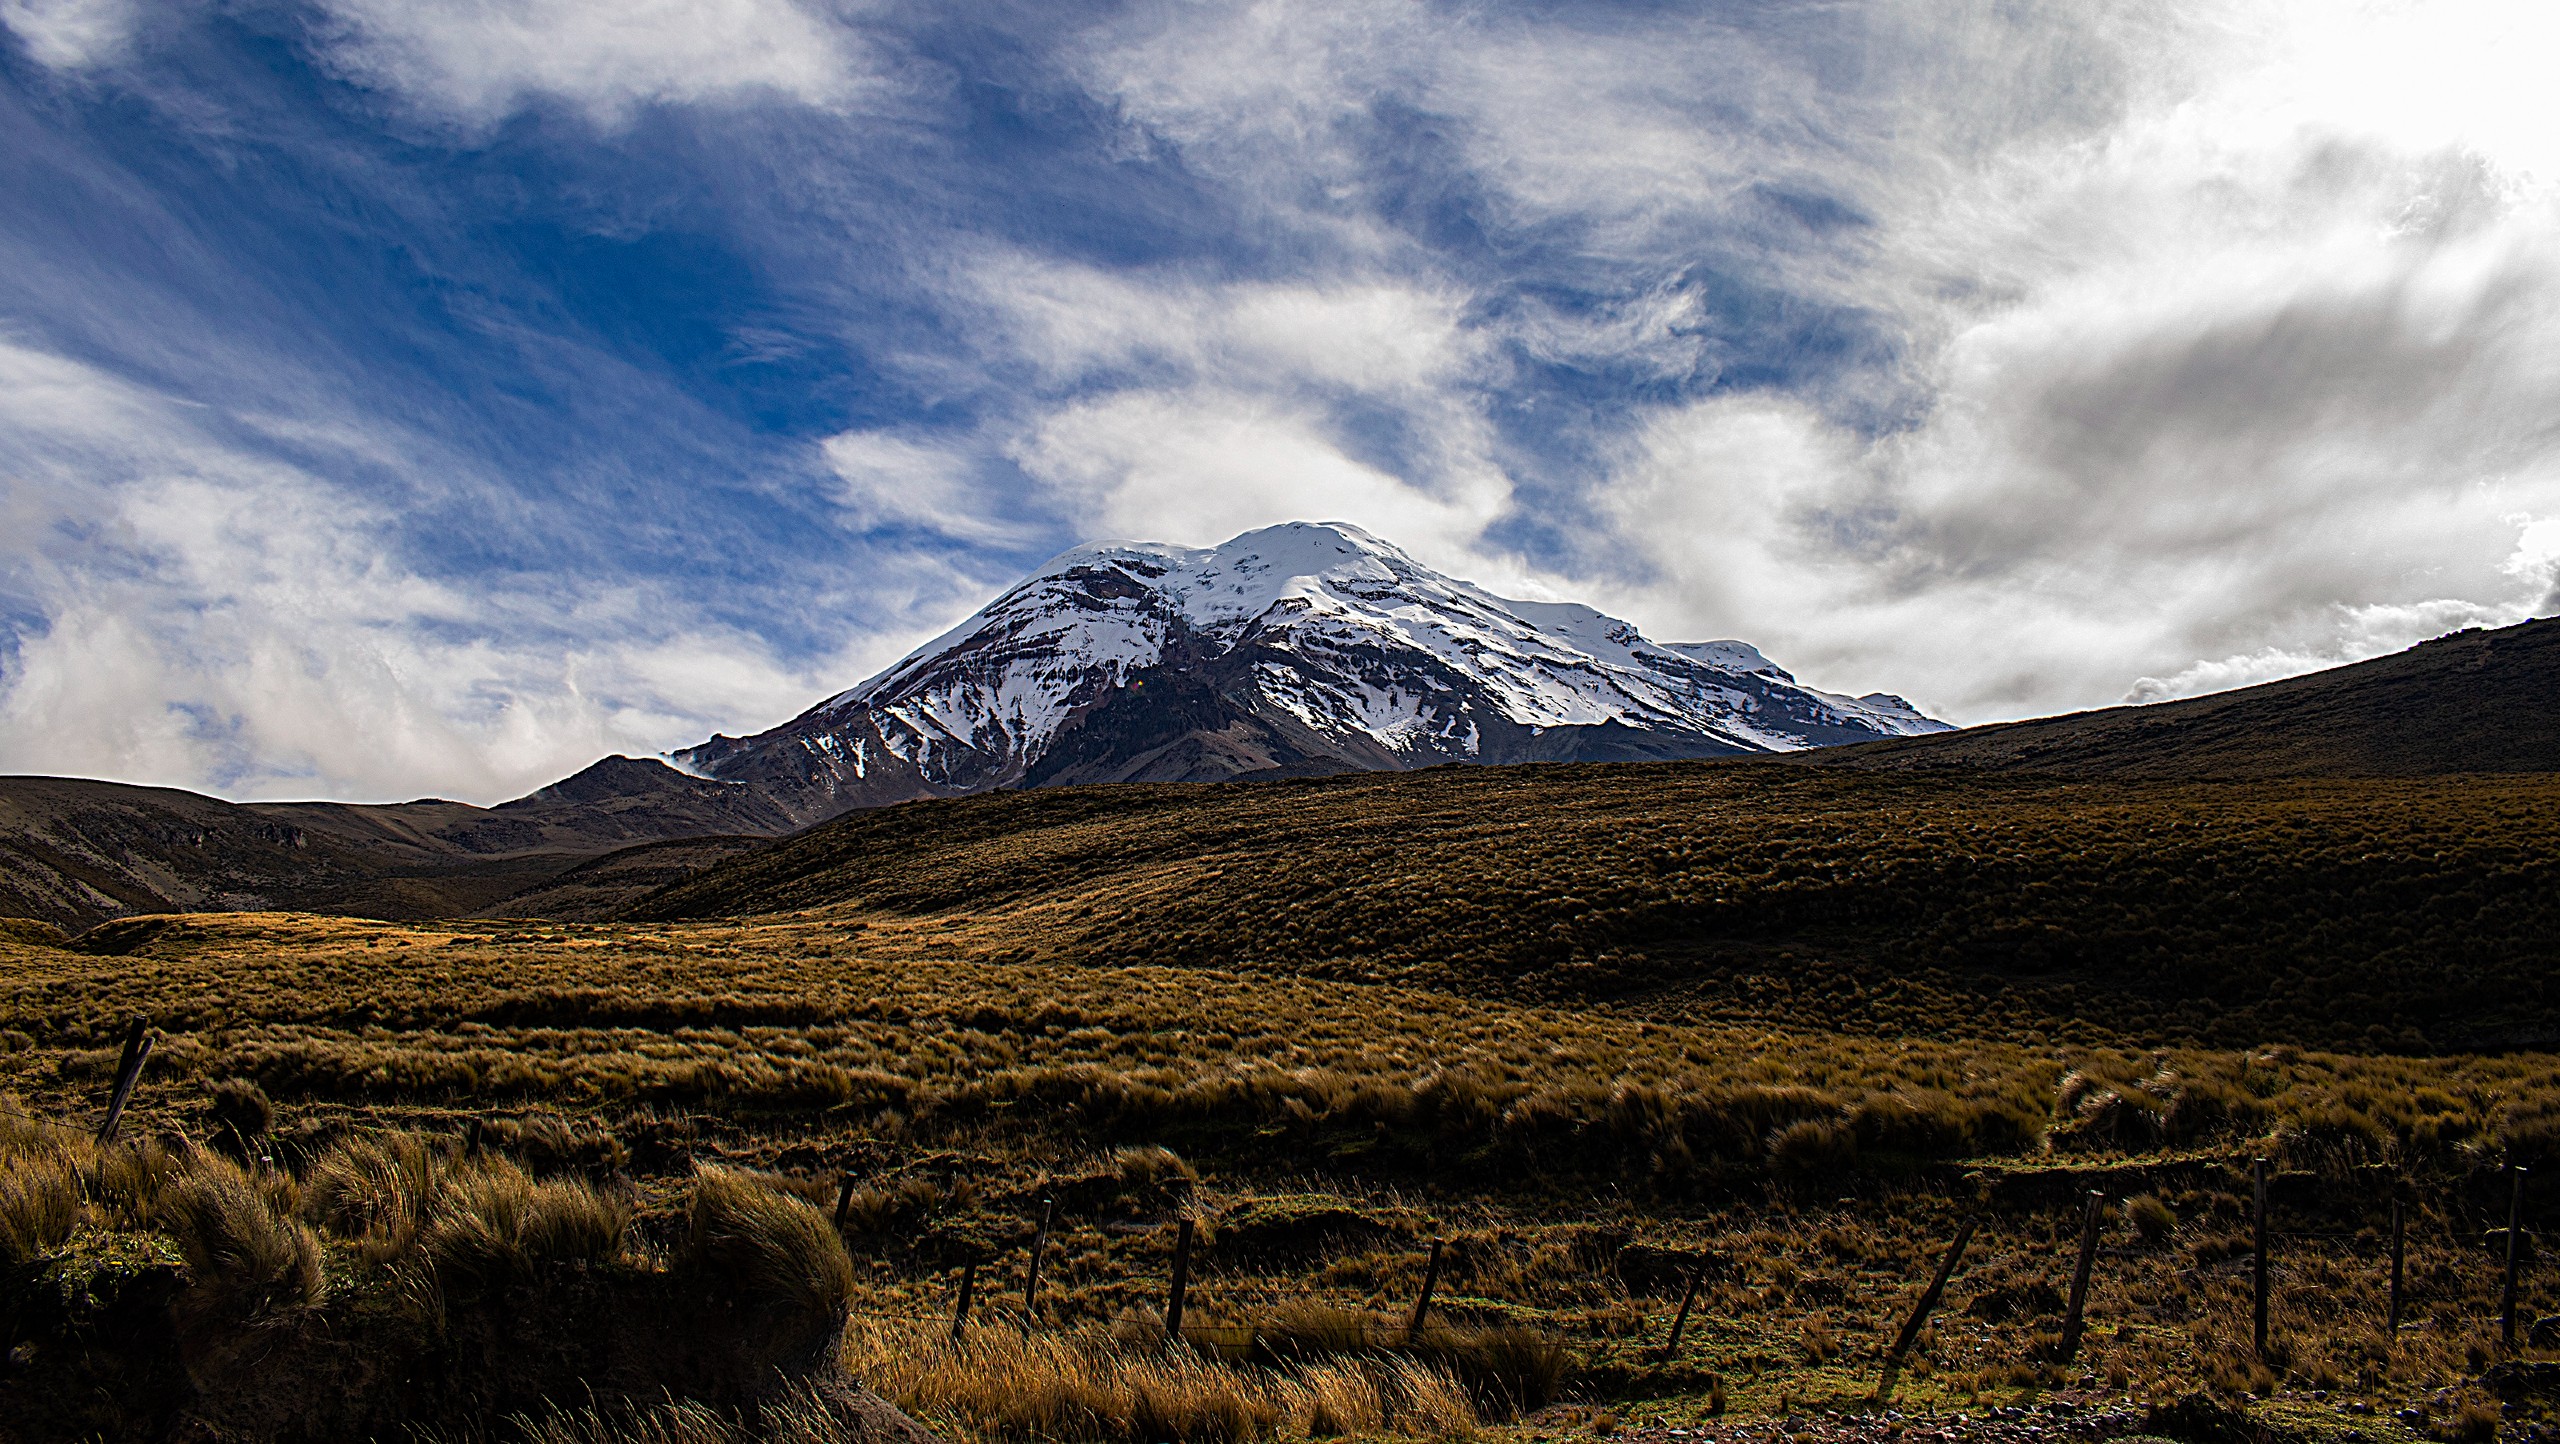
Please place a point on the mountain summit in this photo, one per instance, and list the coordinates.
(1296, 650)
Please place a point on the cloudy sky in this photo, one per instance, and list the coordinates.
(406, 397)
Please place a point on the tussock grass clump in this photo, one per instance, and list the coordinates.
(769, 1246)
(1505, 1368)
(40, 1204)
(242, 1108)
(2474, 1421)
(874, 1211)
(250, 1258)
(1003, 1383)
(2153, 1221)
(1152, 1169)
(1396, 1397)
(1812, 1146)
(1304, 1331)
(42, 1196)
(372, 1190)
(130, 1176)
(547, 1144)
(490, 1223)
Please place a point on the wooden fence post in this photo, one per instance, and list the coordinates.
(2258, 1270)
(1039, 1246)
(1422, 1305)
(2398, 1235)
(1929, 1297)
(844, 1200)
(1181, 1281)
(968, 1285)
(137, 1048)
(2089, 1213)
(1680, 1320)
(2515, 1251)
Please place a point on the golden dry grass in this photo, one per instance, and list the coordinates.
(1008, 1383)
(249, 1254)
(41, 1198)
(772, 1247)
(485, 1223)
(1577, 1162)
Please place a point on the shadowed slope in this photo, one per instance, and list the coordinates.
(596, 889)
(2472, 702)
(2331, 883)
(2409, 914)
(74, 852)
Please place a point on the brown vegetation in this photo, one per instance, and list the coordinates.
(390, 1282)
(2403, 915)
(674, 1104)
(1579, 1042)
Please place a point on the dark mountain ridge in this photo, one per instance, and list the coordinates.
(76, 852)
(2474, 701)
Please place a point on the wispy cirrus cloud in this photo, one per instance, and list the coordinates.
(71, 34)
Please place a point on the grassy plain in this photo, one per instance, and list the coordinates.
(1579, 1162)
(1598, 1030)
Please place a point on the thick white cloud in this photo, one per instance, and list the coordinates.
(2172, 346)
(2222, 336)
(2257, 390)
(475, 60)
(1174, 408)
(1198, 466)
(210, 618)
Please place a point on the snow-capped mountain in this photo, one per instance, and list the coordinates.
(1295, 650)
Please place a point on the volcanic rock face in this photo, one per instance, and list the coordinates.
(1296, 650)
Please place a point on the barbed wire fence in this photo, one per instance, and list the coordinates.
(1362, 1314)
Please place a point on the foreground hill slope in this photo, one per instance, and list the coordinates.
(2412, 914)
(2476, 701)
(75, 852)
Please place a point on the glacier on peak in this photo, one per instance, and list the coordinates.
(1292, 650)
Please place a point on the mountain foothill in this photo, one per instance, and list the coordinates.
(1301, 730)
